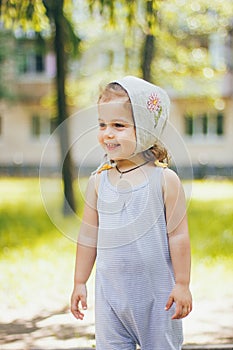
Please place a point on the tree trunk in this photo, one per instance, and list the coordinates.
(148, 49)
(69, 206)
(147, 56)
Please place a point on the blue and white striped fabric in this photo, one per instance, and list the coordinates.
(134, 274)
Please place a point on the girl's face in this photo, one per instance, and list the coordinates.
(116, 130)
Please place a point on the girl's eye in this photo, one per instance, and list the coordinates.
(101, 125)
(118, 125)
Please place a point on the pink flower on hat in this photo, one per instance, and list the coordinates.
(154, 105)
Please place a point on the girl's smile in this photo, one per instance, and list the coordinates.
(116, 130)
(111, 146)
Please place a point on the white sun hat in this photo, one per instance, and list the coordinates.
(150, 105)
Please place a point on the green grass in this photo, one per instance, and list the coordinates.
(210, 224)
(24, 221)
(210, 214)
(37, 261)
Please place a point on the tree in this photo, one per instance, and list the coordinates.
(184, 44)
(136, 14)
(176, 37)
(56, 15)
(148, 46)
(38, 15)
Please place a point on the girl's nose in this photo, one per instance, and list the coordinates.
(108, 132)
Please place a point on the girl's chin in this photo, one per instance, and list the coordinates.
(117, 157)
(113, 156)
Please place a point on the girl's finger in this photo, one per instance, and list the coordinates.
(185, 312)
(77, 313)
(83, 302)
(178, 312)
(169, 303)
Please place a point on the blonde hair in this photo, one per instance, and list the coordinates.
(115, 91)
(111, 92)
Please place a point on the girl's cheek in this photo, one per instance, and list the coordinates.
(100, 137)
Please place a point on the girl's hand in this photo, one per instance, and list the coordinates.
(79, 296)
(182, 297)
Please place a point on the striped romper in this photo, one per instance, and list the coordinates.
(134, 274)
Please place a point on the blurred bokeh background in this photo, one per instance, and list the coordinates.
(54, 56)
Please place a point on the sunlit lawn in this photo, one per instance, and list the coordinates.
(36, 260)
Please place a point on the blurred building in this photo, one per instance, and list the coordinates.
(204, 128)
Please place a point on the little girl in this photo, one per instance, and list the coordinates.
(134, 227)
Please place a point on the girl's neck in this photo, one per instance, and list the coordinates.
(125, 164)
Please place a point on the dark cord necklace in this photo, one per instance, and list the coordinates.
(127, 171)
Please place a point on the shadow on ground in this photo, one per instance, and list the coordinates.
(55, 330)
(61, 331)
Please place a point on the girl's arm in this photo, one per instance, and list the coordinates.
(86, 250)
(179, 244)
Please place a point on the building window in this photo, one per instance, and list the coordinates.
(204, 125)
(219, 124)
(31, 62)
(41, 126)
(35, 125)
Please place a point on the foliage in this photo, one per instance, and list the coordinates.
(6, 51)
(110, 10)
(186, 31)
(182, 32)
(26, 14)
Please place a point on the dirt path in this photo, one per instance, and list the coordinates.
(209, 323)
(50, 328)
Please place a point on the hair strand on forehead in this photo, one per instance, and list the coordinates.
(112, 91)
